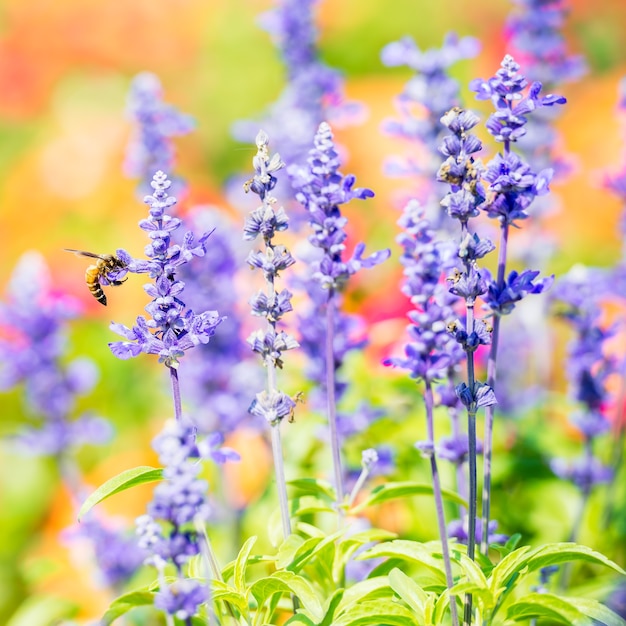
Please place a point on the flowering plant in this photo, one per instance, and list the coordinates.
(314, 464)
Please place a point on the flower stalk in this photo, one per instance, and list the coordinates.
(271, 404)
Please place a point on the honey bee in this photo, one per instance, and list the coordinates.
(100, 271)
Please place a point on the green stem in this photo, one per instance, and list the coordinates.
(473, 487)
(441, 518)
(331, 403)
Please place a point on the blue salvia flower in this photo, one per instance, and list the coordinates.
(33, 349)
(219, 394)
(167, 532)
(116, 552)
(33, 346)
(322, 189)
(588, 369)
(534, 34)
(266, 221)
(432, 90)
(431, 351)
(172, 328)
(512, 188)
(313, 93)
(150, 148)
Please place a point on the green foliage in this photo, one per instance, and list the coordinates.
(123, 481)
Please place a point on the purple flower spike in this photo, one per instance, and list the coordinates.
(173, 328)
(534, 32)
(321, 190)
(150, 148)
(505, 89)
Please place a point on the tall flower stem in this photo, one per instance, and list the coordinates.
(441, 518)
(281, 487)
(178, 411)
(473, 487)
(491, 381)
(331, 405)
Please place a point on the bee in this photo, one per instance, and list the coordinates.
(100, 272)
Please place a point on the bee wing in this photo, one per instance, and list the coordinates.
(84, 253)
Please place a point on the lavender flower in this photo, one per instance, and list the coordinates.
(431, 351)
(458, 530)
(513, 187)
(534, 34)
(33, 345)
(150, 148)
(173, 328)
(321, 189)
(219, 394)
(313, 93)
(425, 99)
(267, 220)
(116, 552)
(588, 369)
(167, 532)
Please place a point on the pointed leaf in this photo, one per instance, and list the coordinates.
(546, 605)
(406, 489)
(409, 591)
(377, 612)
(409, 551)
(314, 487)
(288, 582)
(127, 479)
(304, 505)
(125, 603)
(332, 607)
(556, 553)
(509, 565)
(241, 562)
(597, 611)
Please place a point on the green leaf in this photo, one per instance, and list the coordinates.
(312, 548)
(409, 591)
(349, 545)
(127, 479)
(408, 551)
(42, 611)
(333, 603)
(375, 613)
(281, 582)
(299, 619)
(241, 562)
(288, 548)
(555, 553)
(365, 590)
(512, 563)
(125, 603)
(314, 487)
(597, 611)
(304, 505)
(392, 491)
(537, 605)
(220, 591)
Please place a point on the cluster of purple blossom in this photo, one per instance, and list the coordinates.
(443, 279)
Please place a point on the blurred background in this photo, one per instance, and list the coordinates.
(65, 72)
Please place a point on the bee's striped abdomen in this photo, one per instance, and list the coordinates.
(92, 276)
